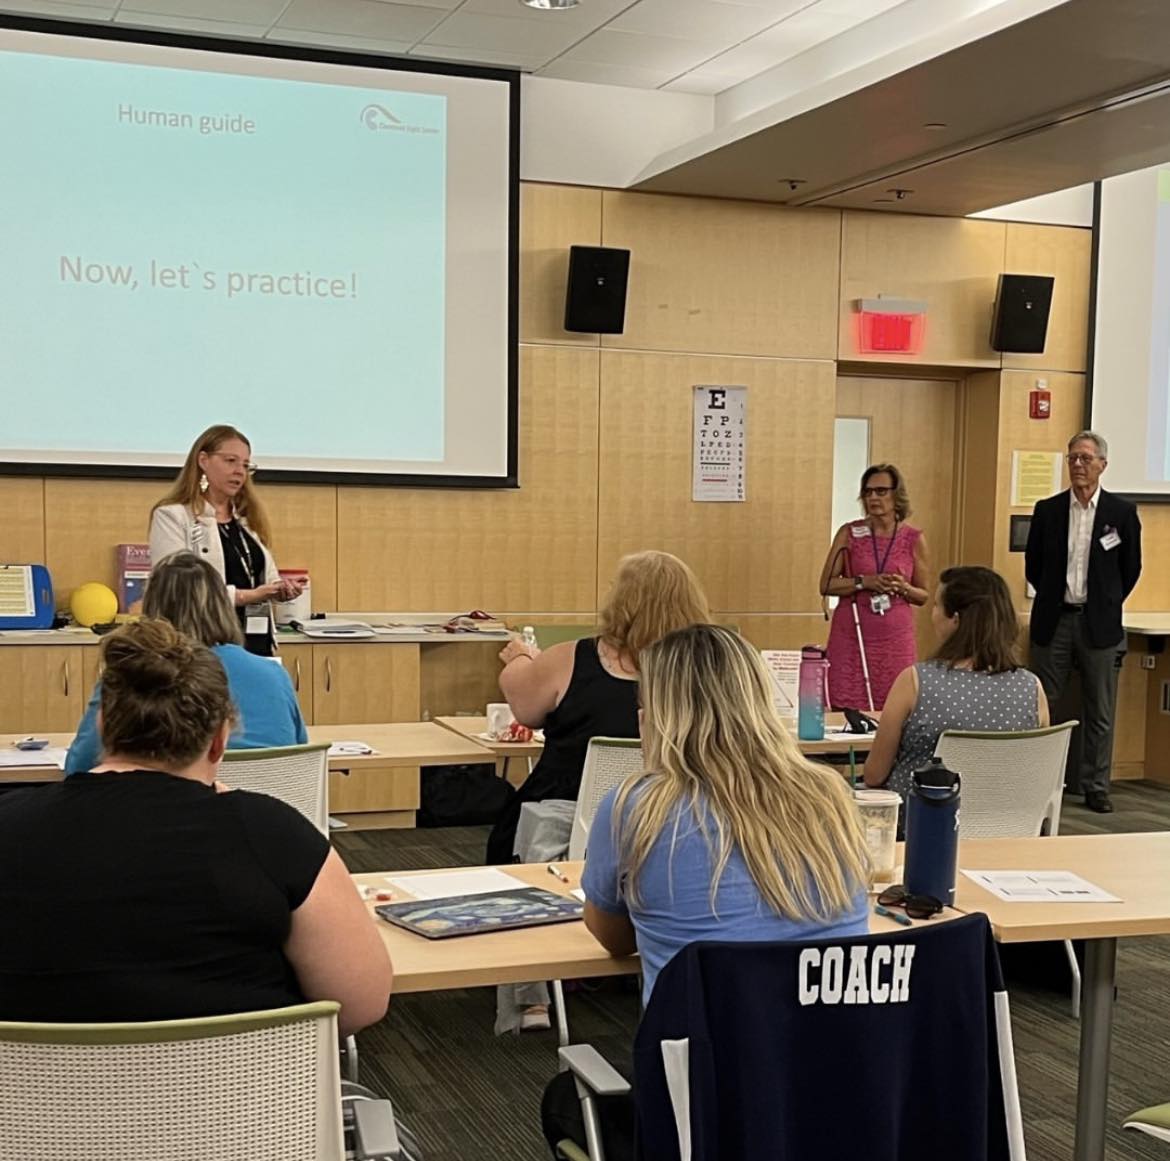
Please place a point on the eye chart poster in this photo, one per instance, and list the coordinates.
(720, 454)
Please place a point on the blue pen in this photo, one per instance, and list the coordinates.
(896, 916)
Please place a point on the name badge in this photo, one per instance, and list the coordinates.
(859, 531)
(1110, 540)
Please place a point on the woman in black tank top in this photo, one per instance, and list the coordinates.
(588, 689)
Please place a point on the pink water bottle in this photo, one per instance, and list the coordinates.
(811, 718)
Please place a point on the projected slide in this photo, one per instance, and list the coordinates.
(1131, 340)
(205, 239)
(1158, 438)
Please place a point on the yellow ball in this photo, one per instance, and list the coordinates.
(93, 604)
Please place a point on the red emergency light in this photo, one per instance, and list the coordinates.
(890, 326)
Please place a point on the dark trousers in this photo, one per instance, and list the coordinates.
(1053, 663)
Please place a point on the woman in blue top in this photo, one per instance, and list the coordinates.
(730, 833)
(191, 595)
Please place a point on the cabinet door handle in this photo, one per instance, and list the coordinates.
(297, 673)
(65, 678)
(328, 674)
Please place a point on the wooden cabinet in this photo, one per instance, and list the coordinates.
(298, 664)
(369, 683)
(42, 689)
(365, 683)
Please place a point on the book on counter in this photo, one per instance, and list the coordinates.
(133, 573)
(475, 914)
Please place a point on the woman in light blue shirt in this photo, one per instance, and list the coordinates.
(731, 833)
(191, 595)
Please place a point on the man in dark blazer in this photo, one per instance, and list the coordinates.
(1083, 558)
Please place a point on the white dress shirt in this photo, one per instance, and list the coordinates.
(1080, 537)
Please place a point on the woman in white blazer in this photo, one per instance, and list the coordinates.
(214, 512)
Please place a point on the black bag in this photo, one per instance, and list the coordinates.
(462, 796)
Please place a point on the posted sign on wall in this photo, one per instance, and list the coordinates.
(720, 453)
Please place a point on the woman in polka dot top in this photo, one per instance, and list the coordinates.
(974, 681)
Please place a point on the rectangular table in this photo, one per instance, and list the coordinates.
(1136, 868)
(557, 951)
(833, 743)
(396, 743)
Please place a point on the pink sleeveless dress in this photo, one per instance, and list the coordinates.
(889, 640)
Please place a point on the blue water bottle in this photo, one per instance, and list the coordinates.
(810, 725)
(932, 832)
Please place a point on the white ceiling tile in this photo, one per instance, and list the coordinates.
(638, 51)
(719, 24)
(78, 10)
(362, 18)
(858, 11)
(228, 28)
(588, 15)
(777, 9)
(233, 11)
(708, 84)
(497, 57)
(337, 40)
(605, 74)
(487, 33)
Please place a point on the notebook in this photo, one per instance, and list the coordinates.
(475, 914)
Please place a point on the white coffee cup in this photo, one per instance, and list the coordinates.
(499, 718)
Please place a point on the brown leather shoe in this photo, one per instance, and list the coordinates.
(1099, 801)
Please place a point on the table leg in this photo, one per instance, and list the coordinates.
(1096, 1033)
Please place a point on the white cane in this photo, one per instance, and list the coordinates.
(861, 650)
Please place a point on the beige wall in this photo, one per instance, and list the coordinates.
(730, 292)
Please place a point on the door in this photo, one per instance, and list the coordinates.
(912, 426)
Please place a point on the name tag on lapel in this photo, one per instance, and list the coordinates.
(859, 531)
(1110, 540)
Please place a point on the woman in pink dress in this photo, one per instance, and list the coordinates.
(876, 567)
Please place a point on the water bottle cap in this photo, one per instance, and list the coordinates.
(935, 776)
(813, 653)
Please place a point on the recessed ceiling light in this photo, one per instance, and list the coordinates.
(551, 5)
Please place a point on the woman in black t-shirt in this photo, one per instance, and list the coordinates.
(143, 890)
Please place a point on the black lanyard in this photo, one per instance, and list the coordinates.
(243, 550)
(881, 568)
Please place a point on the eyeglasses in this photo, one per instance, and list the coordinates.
(1081, 458)
(916, 906)
(876, 491)
(234, 462)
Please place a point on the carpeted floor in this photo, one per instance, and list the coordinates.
(471, 1096)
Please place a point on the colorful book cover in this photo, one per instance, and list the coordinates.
(133, 573)
(475, 914)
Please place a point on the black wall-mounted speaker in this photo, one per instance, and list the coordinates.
(595, 301)
(1020, 323)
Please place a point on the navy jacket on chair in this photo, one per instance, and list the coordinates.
(883, 1048)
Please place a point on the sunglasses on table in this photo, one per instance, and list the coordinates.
(915, 906)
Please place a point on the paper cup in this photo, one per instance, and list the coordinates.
(879, 813)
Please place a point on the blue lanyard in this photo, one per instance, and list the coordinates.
(881, 568)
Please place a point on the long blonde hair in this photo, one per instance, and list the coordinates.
(716, 751)
(653, 594)
(186, 488)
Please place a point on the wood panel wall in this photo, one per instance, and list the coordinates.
(727, 292)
